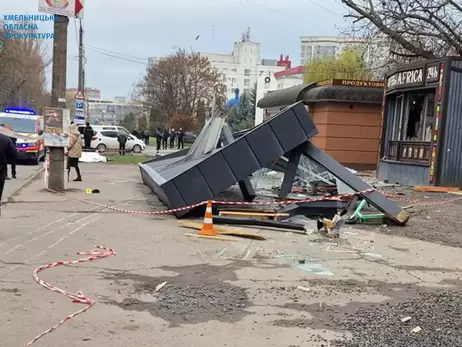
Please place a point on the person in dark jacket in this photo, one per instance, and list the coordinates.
(165, 136)
(8, 153)
(180, 138)
(172, 138)
(12, 163)
(122, 139)
(88, 133)
(146, 136)
(158, 139)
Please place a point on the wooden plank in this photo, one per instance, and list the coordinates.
(217, 238)
(224, 230)
(433, 189)
(252, 214)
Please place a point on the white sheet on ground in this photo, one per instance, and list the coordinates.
(92, 157)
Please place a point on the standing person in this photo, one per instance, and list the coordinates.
(74, 152)
(165, 136)
(172, 138)
(12, 162)
(180, 138)
(122, 139)
(146, 136)
(88, 133)
(8, 153)
(158, 139)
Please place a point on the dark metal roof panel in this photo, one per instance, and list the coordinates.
(343, 93)
(283, 97)
(193, 181)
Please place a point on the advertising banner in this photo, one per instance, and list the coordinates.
(68, 8)
(55, 133)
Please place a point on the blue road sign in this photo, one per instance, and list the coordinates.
(79, 105)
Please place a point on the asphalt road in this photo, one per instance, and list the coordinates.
(290, 290)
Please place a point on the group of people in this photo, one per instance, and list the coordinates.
(143, 135)
(169, 137)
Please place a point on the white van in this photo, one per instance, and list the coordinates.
(105, 128)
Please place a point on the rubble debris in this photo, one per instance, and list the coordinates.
(282, 226)
(303, 289)
(331, 226)
(438, 314)
(405, 319)
(160, 286)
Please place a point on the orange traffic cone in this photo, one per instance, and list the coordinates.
(207, 226)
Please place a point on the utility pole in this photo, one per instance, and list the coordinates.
(58, 91)
(81, 85)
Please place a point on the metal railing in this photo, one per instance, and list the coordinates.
(409, 151)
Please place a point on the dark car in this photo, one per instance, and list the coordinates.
(189, 137)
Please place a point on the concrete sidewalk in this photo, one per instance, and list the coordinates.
(23, 173)
(217, 293)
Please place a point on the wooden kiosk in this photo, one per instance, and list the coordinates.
(421, 142)
(347, 114)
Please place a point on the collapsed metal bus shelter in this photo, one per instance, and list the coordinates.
(217, 161)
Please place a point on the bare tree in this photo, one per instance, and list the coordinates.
(22, 73)
(409, 30)
(174, 85)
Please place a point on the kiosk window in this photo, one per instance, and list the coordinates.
(413, 121)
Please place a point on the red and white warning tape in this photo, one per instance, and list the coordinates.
(430, 202)
(341, 197)
(98, 253)
(219, 202)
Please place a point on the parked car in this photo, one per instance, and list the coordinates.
(105, 140)
(81, 127)
(189, 137)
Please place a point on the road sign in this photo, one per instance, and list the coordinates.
(79, 96)
(79, 105)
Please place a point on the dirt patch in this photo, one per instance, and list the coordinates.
(439, 223)
(198, 293)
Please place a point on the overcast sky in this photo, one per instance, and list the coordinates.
(138, 29)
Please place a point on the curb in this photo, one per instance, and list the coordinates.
(25, 183)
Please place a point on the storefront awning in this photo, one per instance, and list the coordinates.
(284, 97)
(343, 94)
(314, 92)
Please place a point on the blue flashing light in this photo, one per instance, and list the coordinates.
(22, 145)
(26, 111)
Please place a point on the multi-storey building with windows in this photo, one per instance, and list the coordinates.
(318, 47)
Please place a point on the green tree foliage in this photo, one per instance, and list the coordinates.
(242, 115)
(348, 65)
